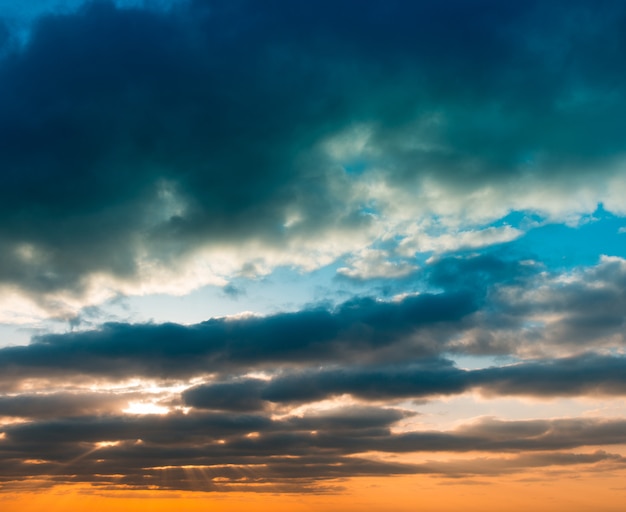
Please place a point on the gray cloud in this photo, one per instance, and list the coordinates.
(61, 404)
(550, 313)
(361, 329)
(585, 375)
(491, 466)
(234, 448)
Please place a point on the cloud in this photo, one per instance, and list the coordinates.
(586, 375)
(486, 305)
(376, 264)
(560, 313)
(361, 329)
(62, 404)
(158, 150)
(229, 396)
(233, 450)
(419, 242)
(491, 466)
(200, 141)
(158, 156)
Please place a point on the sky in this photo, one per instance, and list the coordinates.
(312, 255)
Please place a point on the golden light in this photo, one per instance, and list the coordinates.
(145, 408)
(107, 444)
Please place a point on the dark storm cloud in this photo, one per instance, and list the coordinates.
(138, 105)
(360, 329)
(129, 131)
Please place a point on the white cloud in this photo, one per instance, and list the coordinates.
(374, 263)
(451, 241)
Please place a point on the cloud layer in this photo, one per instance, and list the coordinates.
(412, 148)
(289, 401)
(216, 139)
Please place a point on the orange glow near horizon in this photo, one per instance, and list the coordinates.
(520, 493)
